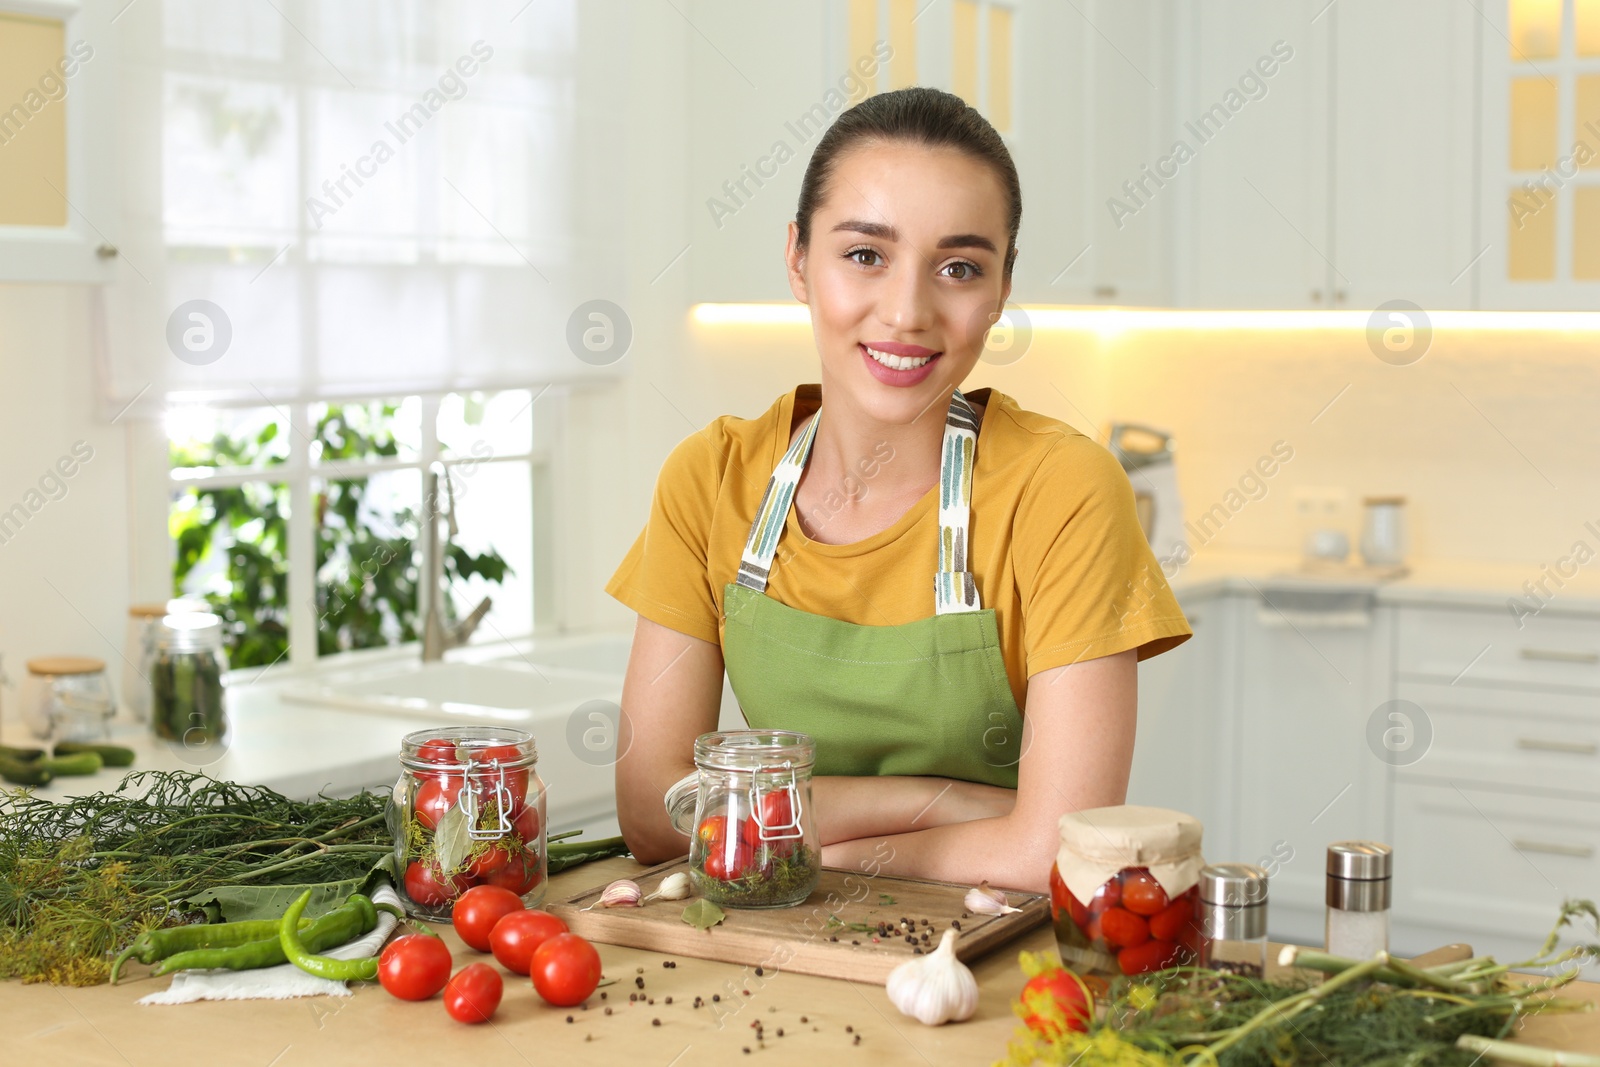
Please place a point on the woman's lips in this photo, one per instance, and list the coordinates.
(899, 377)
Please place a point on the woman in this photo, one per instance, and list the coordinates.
(901, 578)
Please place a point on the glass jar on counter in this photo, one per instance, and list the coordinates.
(1233, 919)
(468, 809)
(139, 650)
(747, 813)
(67, 698)
(187, 704)
(1124, 890)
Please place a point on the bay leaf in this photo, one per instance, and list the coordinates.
(452, 838)
(702, 914)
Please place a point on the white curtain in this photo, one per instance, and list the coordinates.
(380, 196)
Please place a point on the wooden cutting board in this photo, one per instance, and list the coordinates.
(813, 937)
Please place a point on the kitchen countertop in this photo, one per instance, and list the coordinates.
(102, 1025)
(1438, 582)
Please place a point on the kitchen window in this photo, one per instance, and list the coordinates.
(301, 522)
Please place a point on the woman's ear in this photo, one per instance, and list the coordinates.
(795, 258)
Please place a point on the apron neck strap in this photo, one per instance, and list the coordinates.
(954, 588)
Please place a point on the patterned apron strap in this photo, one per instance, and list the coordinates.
(954, 589)
(762, 545)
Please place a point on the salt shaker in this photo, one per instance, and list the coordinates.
(1233, 919)
(1358, 896)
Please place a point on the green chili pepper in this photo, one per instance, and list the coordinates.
(365, 970)
(154, 945)
(356, 916)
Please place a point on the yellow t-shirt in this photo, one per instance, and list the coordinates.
(1055, 544)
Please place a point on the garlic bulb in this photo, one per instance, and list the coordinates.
(674, 886)
(623, 893)
(936, 988)
(987, 901)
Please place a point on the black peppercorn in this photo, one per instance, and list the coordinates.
(655, 1022)
(759, 972)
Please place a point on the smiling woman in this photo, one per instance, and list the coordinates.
(952, 631)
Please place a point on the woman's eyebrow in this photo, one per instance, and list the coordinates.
(883, 231)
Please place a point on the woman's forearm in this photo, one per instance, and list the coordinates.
(1004, 851)
(853, 808)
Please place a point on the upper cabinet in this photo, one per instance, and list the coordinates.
(1540, 113)
(57, 76)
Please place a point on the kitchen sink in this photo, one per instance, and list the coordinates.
(510, 690)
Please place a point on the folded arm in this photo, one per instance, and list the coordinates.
(1077, 753)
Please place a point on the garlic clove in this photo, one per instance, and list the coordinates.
(936, 988)
(986, 900)
(623, 893)
(674, 886)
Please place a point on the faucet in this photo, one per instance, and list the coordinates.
(436, 636)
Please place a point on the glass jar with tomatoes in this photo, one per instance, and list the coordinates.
(747, 813)
(1124, 890)
(468, 809)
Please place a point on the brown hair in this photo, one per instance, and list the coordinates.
(919, 115)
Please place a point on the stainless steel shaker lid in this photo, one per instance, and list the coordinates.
(1235, 885)
(1360, 860)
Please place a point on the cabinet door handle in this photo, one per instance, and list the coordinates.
(1540, 744)
(1582, 852)
(1561, 655)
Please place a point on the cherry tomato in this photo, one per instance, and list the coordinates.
(1149, 956)
(487, 862)
(1170, 923)
(478, 909)
(713, 828)
(1107, 896)
(730, 861)
(1062, 900)
(516, 936)
(437, 751)
(526, 825)
(434, 798)
(427, 885)
(520, 874)
(1055, 1003)
(565, 969)
(414, 967)
(777, 812)
(516, 781)
(1142, 894)
(474, 993)
(1119, 927)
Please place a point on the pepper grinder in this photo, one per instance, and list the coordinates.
(1233, 919)
(1358, 894)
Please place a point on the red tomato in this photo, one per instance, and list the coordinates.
(727, 856)
(434, 798)
(1055, 1002)
(516, 781)
(414, 967)
(427, 885)
(526, 825)
(1107, 896)
(474, 993)
(1149, 956)
(488, 861)
(516, 936)
(478, 909)
(1142, 894)
(565, 969)
(520, 874)
(1119, 926)
(1171, 922)
(777, 812)
(437, 751)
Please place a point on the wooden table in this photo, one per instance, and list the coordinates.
(58, 1026)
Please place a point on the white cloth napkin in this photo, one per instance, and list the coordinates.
(285, 980)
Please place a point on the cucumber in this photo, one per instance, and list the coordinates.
(24, 754)
(82, 763)
(110, 755)
(25, 772)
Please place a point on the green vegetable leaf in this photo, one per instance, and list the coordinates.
(452, 838)
(885, 898)
(702, 914)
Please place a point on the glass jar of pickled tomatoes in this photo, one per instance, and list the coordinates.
(1124, 890)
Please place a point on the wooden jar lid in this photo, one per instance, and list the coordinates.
(148, 611)
(56, 665)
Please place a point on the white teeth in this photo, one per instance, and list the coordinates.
(897, 362)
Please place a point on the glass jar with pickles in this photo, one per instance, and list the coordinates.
(747, 813)
(1125, 888)
(468, 809)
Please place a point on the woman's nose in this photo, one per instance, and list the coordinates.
(906, 301)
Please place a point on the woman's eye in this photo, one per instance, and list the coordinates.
(971, 270)
(854, 252)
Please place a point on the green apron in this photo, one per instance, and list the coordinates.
(928, 697)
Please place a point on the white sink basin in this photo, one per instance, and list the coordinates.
(502, 691)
